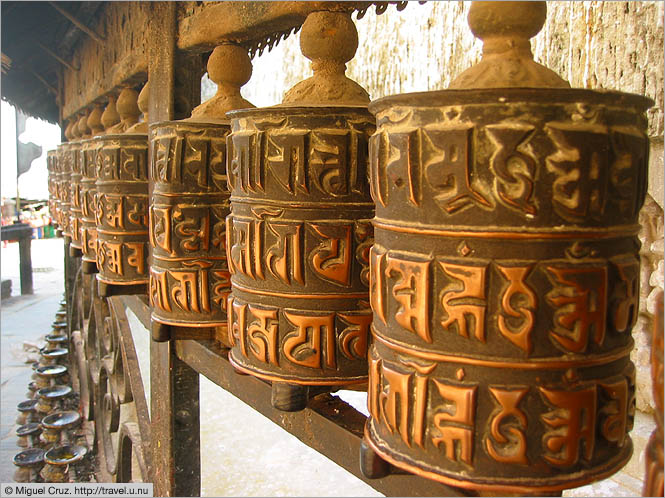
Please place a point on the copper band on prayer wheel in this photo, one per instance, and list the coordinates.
(122, 209)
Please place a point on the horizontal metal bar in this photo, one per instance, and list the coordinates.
(328, 424)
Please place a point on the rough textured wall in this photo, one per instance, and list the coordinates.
(612, 45)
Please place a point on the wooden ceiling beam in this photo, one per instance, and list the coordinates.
(76, 22)
(57, 57)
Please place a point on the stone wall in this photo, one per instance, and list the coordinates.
(613, 45)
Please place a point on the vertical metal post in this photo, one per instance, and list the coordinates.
(25, 264)
(175, 434)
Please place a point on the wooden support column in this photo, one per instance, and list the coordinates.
(174, 386)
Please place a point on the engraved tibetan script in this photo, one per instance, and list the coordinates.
(579, 298)
(412, 293)
(506, 443)
(580, 165)
(454, 420)
(573, 424)
(464, 301)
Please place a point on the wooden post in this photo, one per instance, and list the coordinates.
(174, 386)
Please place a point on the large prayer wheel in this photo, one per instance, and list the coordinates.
(88, 197)
(75, 209)
(122, 209)
(122, 201)
(300, 226)
(189, 274)
(505, 275)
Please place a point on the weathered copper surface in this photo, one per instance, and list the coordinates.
(189, 278)
(122, 209)
(504, 284)
(653, 482)
(88, 197)
(298, 241)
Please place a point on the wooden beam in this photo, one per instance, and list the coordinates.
(56, 56)
(77, 23)
(50, 88)
(248, 21)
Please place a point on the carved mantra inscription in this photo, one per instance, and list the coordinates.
(322, 163)
(189, 276)
(333, 254)
(463, 165)
(121, 209)
(325, 341)
(432, 298)
(469, 424)
(298, 241)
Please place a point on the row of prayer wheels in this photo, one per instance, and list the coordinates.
(471, 253)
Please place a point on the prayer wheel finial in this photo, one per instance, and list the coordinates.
(128, 108)
(95, 120)
(230, 68)
(68, 129)
(84, 131)
(75, 133)
(505, 28)
(329, 40)
(142, 102)
(110, 116)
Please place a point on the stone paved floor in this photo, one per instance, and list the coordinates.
(272, 463)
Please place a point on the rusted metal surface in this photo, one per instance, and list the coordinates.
(122, 209)
(653, 481)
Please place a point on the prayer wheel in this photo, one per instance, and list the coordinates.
(122, 203)
(505, 271)
(51, 166)
(299, 232)
(65, 161)
(88, 196)
(189, 276)
(75, 208)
